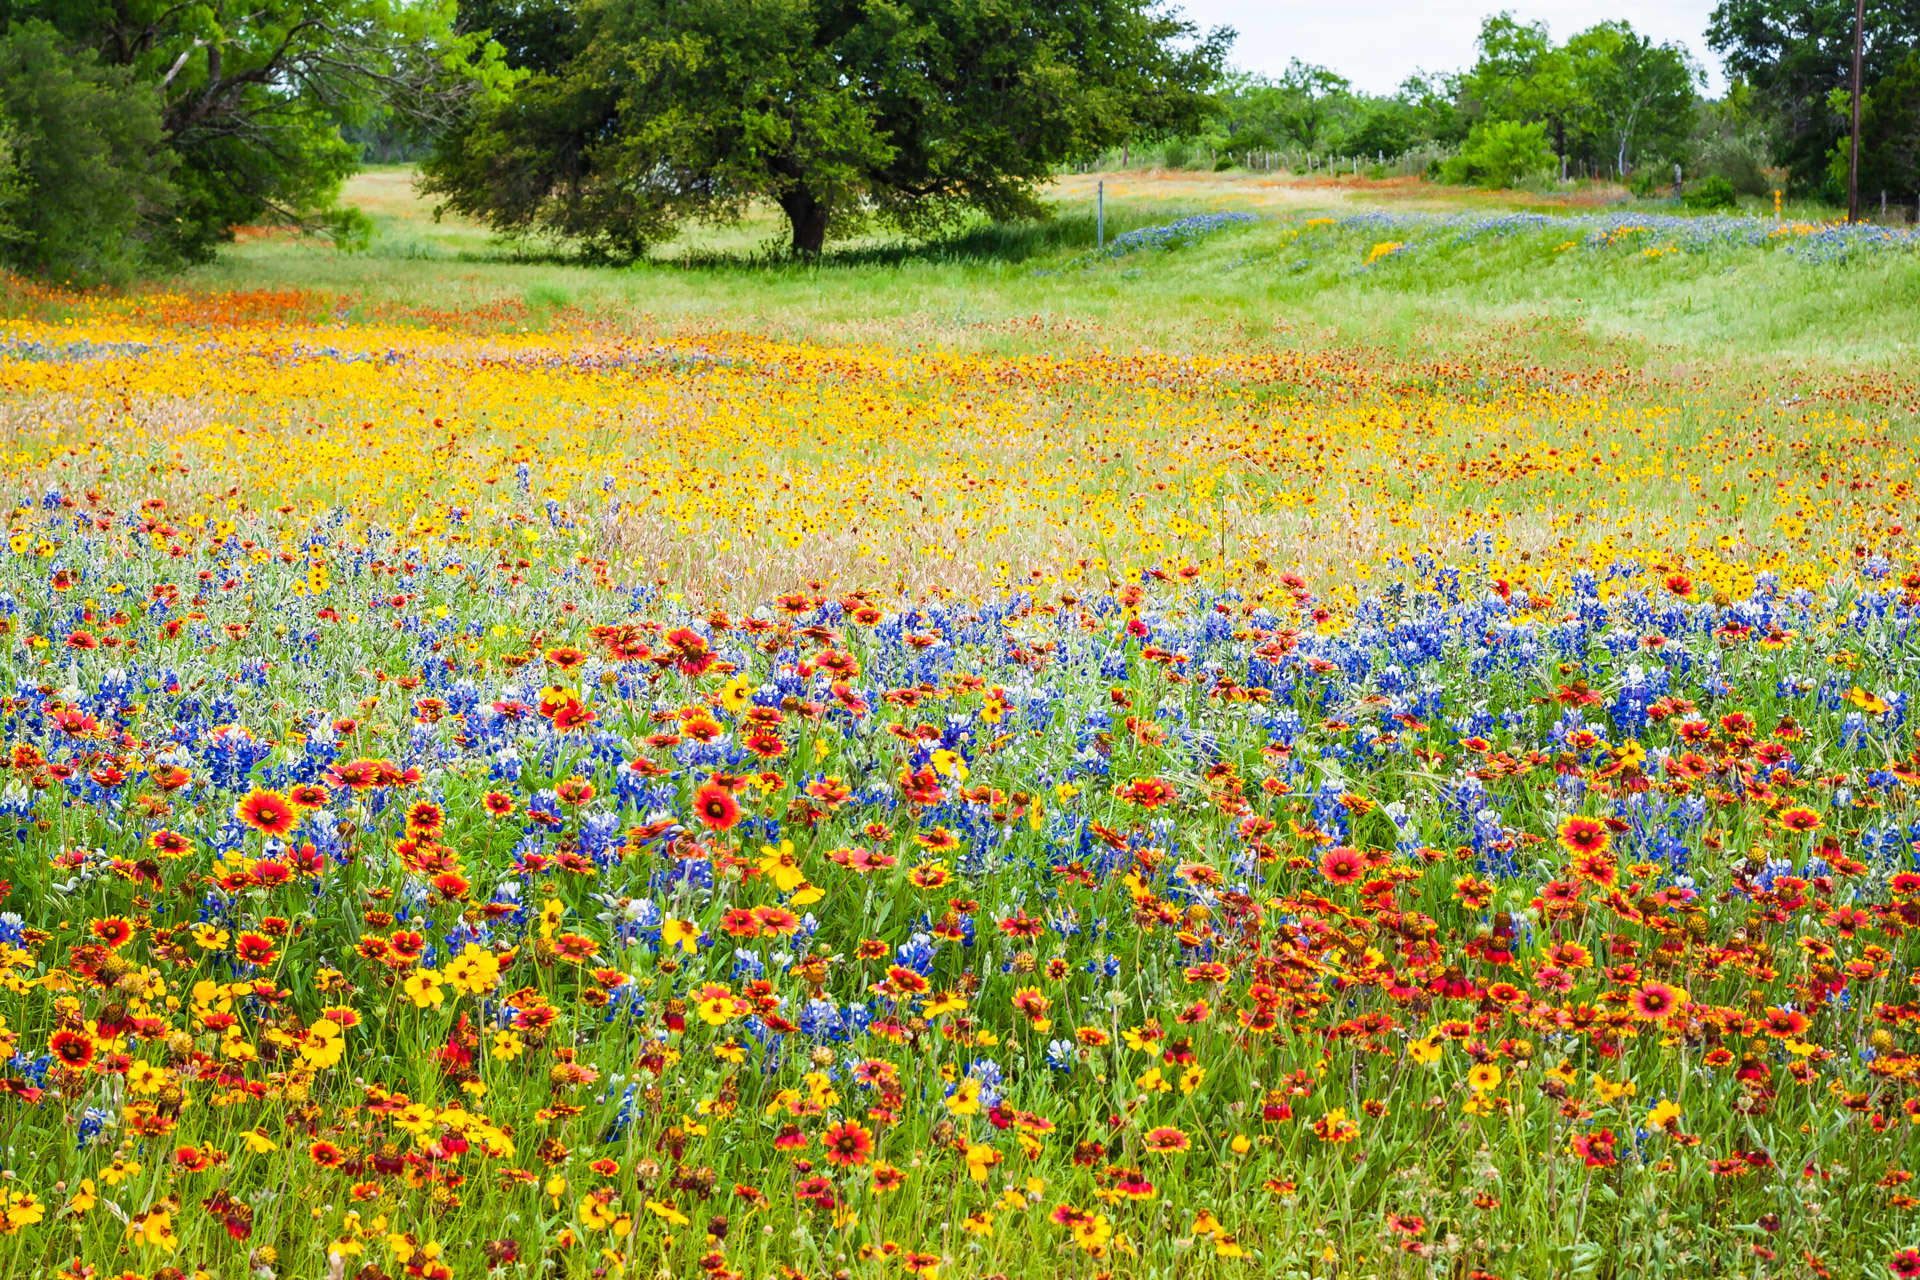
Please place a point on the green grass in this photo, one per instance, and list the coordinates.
(1027, 287)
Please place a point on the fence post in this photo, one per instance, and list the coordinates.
(1100, 215)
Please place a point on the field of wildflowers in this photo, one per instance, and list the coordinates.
(578, 803)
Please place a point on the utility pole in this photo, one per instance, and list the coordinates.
(1853, 159)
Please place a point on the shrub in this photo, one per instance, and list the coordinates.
(1498, 154)
(1742, 163)
(92, 161)
(1713, 192)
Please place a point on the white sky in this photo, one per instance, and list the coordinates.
(1378, 43)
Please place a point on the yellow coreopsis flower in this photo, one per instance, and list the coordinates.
(595, 1214)
(1610, 1092)
(416, 1118)
(943, 1002)
(119, 1171)
(423, 987)
(153, 1230)
(475, 970)
(980, 1162)
(820, 1090)
(949, 764)
(85, 1196)
(782, 866)
(965, 1099)
(146, 1079)
(325, 1044)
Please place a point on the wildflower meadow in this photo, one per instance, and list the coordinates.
(520, 791)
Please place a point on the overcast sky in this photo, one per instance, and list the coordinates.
(1378, 43)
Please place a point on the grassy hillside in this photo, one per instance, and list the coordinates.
(1693, 299)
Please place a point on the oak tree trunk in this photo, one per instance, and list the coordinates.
(808, 217)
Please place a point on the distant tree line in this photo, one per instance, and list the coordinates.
(135, 134)
(1609, 101)
(1606, 101)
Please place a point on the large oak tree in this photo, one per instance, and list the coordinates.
(838, 111)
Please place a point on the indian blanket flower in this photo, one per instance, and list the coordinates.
(1166, 1139)
(1799, 819)
(267, 812)
(1342, 865)
(1584, 836)
(1653, 1001)
(847, 1144)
